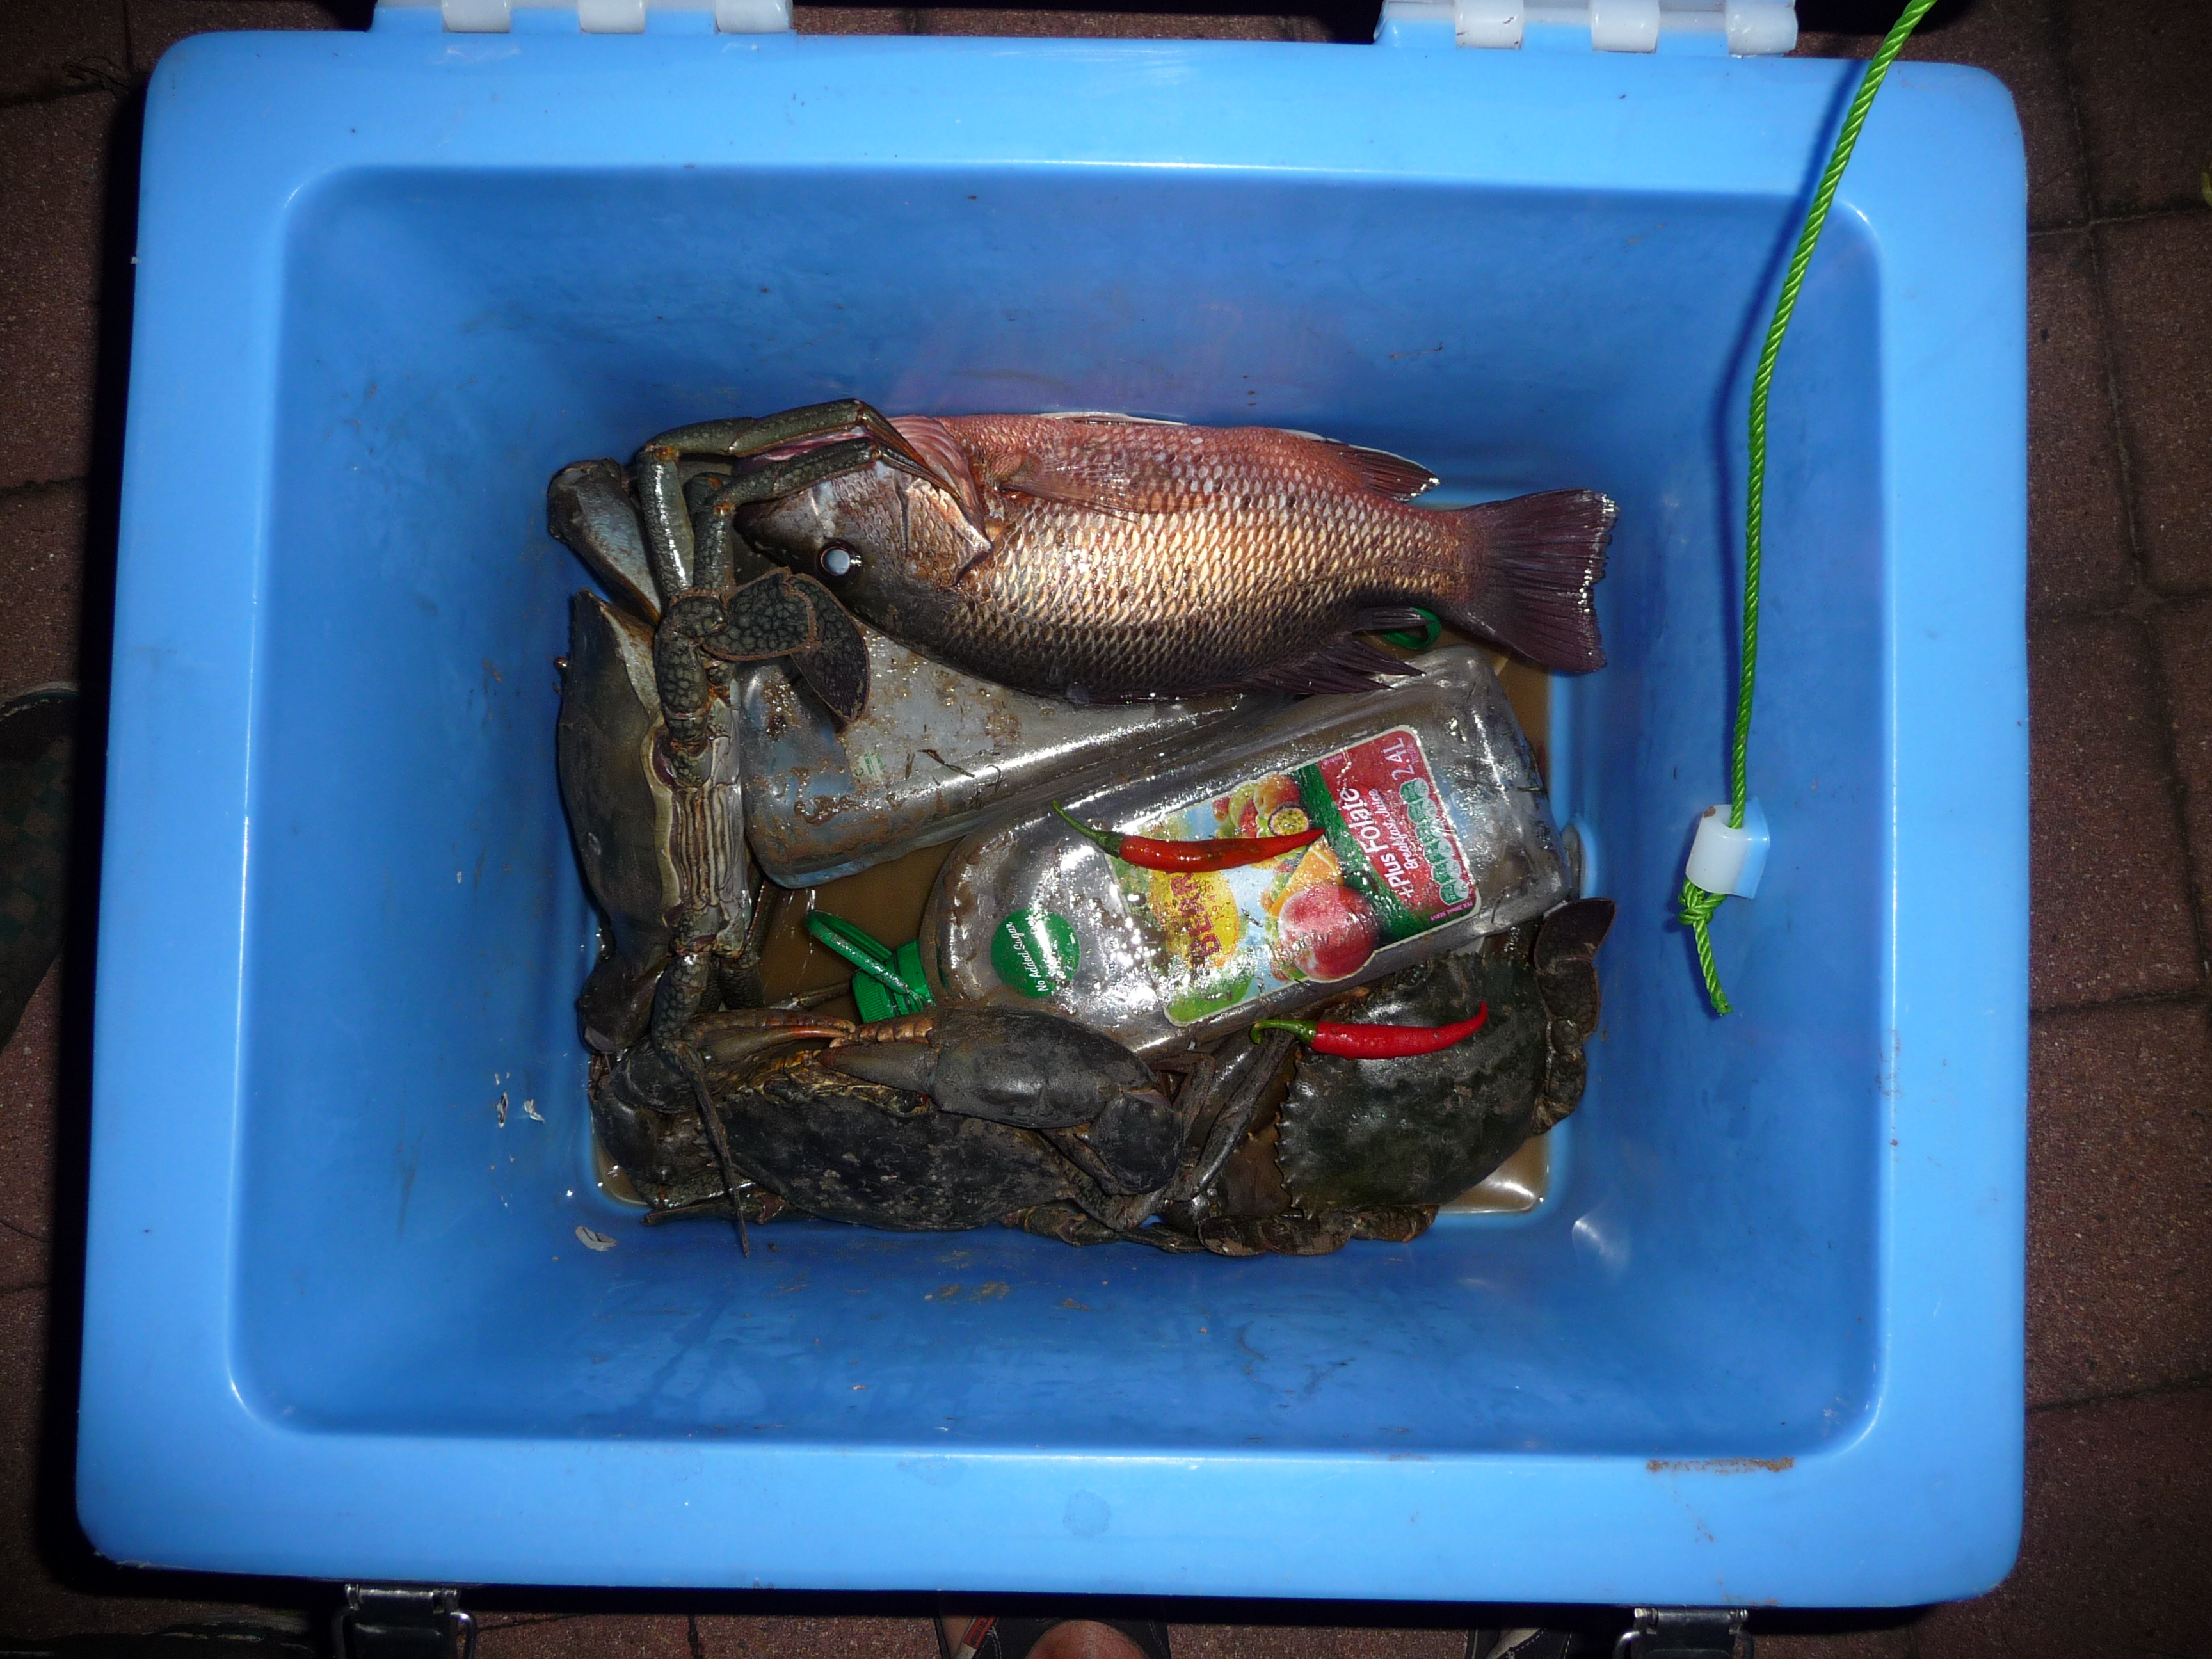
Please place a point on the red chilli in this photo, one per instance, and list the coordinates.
(1223, 853)
(1330, 1036)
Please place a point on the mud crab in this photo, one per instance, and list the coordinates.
(646, 742)
(971, 1116)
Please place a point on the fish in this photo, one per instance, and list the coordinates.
(1109, 558)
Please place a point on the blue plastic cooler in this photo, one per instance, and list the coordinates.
(1763, 1341)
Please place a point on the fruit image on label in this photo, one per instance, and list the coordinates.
(1202, 926)
(1325, 932)
(1036, 952)
(1391, 866)
(1198, 910)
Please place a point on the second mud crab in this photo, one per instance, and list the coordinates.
(969, 1116)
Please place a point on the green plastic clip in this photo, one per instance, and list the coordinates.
(889, 983)
(1416, 639)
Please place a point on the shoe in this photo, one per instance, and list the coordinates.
(987, 1637)
(37, 742)
(1518, 1644)
(276, 1636)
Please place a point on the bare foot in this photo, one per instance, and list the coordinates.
(1079, 1638)
(1076, 1638)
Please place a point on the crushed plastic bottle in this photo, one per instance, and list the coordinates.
(1438, 833)
(936, 753)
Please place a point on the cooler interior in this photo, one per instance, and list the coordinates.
(1700, 1281)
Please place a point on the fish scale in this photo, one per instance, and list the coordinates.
(1110, 559)
(1193, 597)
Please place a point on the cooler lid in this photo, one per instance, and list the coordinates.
(1741, 28)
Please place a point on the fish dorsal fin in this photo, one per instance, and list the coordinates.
(1378, 469)
(933, 442)
(1110, 415)
(1103, 464)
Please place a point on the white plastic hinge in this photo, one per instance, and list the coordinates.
(1624, 25)
(752, 16)
(1743, 27)
(1725, 860)
(595, 16)
(1487, 23)
(611, 16)
(478, 16)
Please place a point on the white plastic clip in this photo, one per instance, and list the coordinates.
(1761, 27)
(611, 16)
(478, 16)
(752, 16)
(1725, 860)
(1495, 23)
(1624, 25)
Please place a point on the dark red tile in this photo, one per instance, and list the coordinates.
(1087, 25)
(850, 19)
(2116, 1555)
(2184, 634)
(2110, 915)
(157, 25)
(2077, 521)
(48, 48)
(589, 1636)
(41, 560)
(2119, 1200)
(2144, 90)
(2157, 273)
(53, 162)
(23, 1262)
(816, 1638)
(2014, 40)
(1890, 1642)
(23, 1360)
(1313, 1641)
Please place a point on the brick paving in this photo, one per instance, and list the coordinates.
(2115, 104)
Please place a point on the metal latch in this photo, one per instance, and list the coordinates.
(381, 1621)
(1686, 1633)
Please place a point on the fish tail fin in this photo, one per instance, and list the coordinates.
(1530, 564)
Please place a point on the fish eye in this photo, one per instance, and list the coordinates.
(839, 560)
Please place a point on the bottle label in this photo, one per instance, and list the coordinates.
(1388, 867)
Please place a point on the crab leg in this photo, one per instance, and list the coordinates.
(588, 508)
(741, 435)
(659, 467)
(664, 1072)
(1246, 1086)
(775, 614)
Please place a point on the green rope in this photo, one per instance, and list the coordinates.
(1697, 904)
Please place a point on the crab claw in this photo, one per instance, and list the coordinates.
(728, 1043)
(781, 614)
(836, 667)
(1566, 980)
(1032, 1070)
